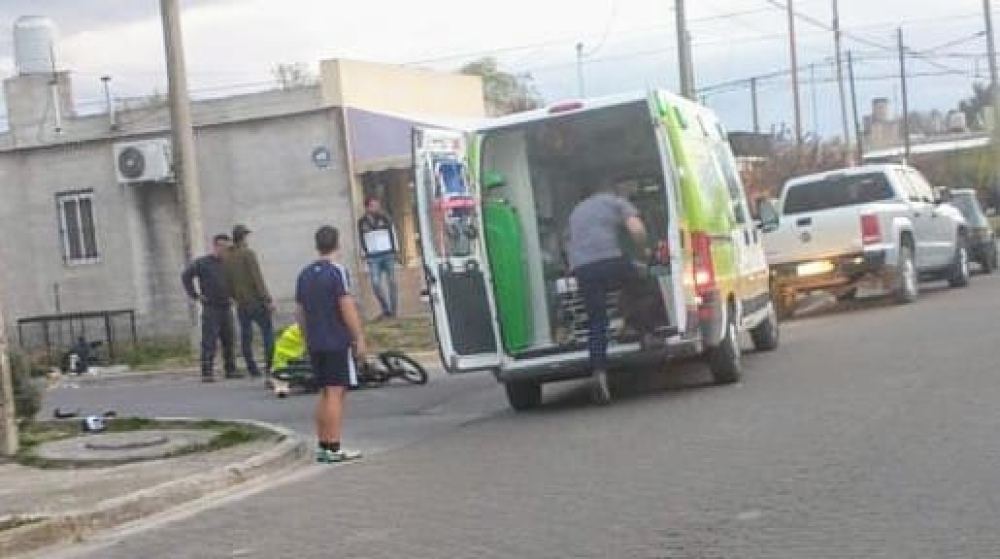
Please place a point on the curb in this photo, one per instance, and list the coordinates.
(74, 526)
(134, 377)
(429, 359)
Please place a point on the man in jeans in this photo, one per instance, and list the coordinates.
(216, 309)
(378, 241)
(331, 325)
(253, 302)
(600, 266)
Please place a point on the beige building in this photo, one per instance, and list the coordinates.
(82, 234)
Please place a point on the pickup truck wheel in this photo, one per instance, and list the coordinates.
(959, 276)
(765, 335)
(907, 284)
(725, 361)
(523, 396)
(989, 264)
(849, 295)
(785, 306)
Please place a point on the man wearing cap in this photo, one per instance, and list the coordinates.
(216, 307)
(253, 302)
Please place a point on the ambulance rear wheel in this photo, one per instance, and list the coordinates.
(523, 396)
(725, 361)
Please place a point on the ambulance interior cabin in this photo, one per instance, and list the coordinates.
(549, 166)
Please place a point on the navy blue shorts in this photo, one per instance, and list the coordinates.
(333, 368)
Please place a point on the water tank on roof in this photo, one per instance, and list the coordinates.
(34, 45)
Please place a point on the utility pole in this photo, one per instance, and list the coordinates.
(858, 135)
(906, 106)
(814, 102)
(579, 70)
(837, 41)
(795, 73)
(8, 416)
(182, 128)
(185, 164)
(754, 106)
(995, 88)
(685, 63)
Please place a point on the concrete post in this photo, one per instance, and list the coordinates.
(185, 163)
(8, 416)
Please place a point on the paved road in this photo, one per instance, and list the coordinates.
(378, 419)
(871, 433)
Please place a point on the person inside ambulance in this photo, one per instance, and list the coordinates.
(597, 259)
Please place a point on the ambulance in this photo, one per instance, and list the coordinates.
(493, 203)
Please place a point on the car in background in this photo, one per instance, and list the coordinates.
(982, 238)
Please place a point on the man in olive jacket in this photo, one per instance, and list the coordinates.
(253, 302)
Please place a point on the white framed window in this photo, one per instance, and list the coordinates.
(76, 226)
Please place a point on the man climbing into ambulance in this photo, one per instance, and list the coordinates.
(600, 265)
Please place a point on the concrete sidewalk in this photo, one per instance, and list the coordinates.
(54, 506)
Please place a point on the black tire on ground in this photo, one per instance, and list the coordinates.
(523, 396)
(402, 365)
(766, 335)
(725, 360)
(907, 285)
(959, 274)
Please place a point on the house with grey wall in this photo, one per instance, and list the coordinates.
(90, 218)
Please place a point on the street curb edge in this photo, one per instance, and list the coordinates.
(75, 526)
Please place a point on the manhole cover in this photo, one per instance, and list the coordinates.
(128, 445)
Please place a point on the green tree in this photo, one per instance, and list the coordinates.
(973, 107)
(504, 92)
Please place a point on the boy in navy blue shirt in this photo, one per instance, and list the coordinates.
(331, 325)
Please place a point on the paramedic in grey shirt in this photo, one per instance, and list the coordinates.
(600, 266)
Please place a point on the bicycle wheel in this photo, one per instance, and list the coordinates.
(401, 365)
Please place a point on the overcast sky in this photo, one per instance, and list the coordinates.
(628, 44)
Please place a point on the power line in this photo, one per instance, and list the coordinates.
(607, 30)
(954, 43)
(569, 40)
(856, 38)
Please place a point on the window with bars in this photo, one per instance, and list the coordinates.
(76, 226)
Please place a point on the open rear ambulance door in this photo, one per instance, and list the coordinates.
(673, 290)
(453, 251)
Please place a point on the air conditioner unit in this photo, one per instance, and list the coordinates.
(144, 161)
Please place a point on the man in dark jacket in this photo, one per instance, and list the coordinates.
(216, 309)
(378, 241)
(253, 301)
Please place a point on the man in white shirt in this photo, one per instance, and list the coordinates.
(377, 235)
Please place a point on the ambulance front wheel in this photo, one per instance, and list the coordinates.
(523, 395)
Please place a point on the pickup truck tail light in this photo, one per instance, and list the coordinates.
(704, 269)
(870, 231)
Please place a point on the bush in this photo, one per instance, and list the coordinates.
(27, 392)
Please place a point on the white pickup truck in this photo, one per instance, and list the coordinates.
(879, 226)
